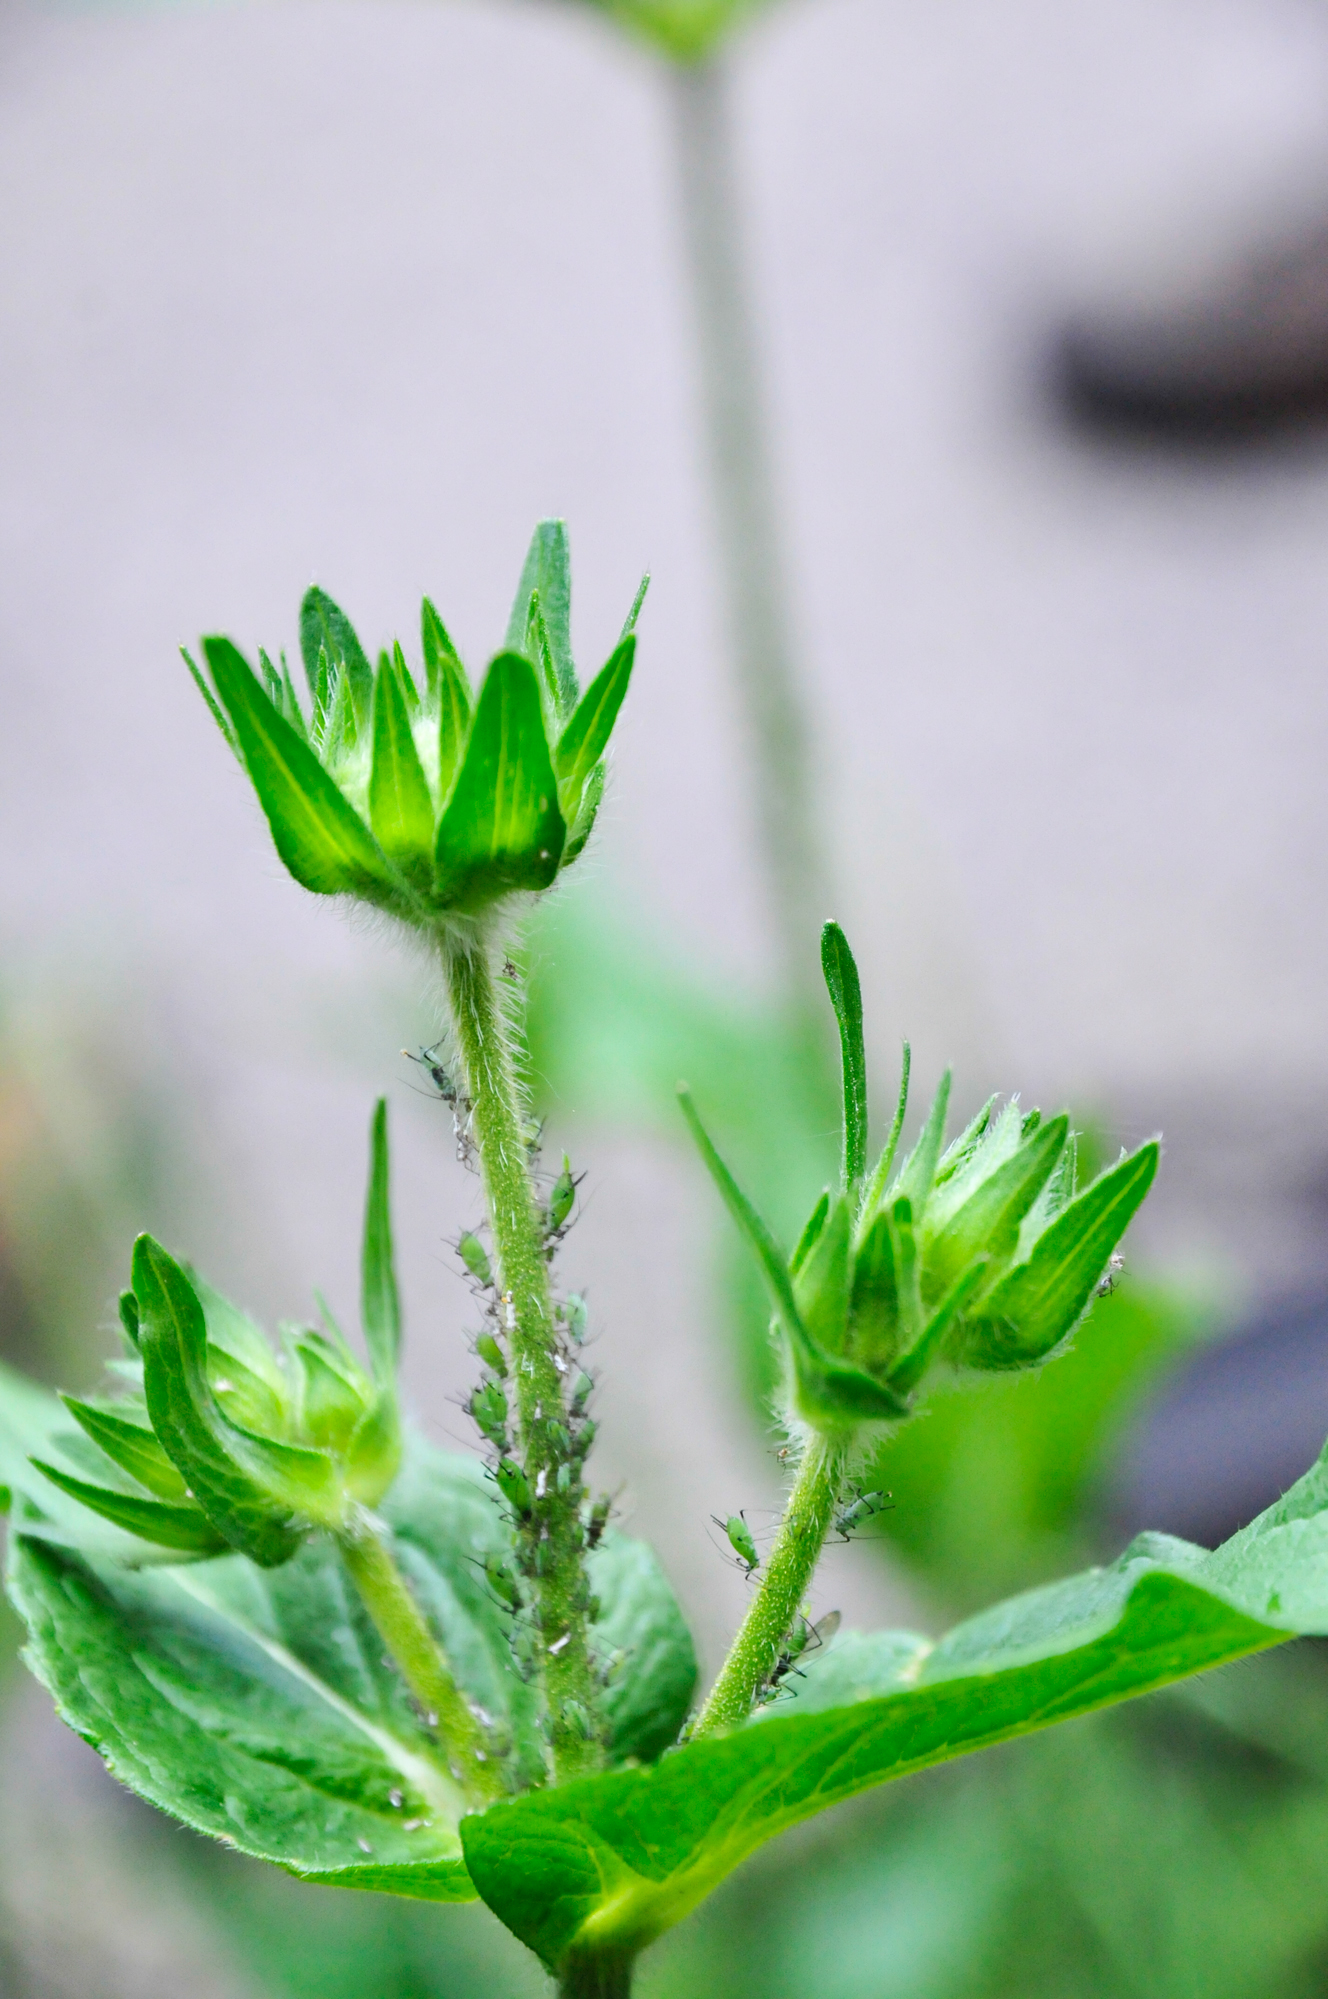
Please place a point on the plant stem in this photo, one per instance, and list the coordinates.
(779, 1600)
(594, 1976)
(752, 558)
(401, 1626)
(550, 1534)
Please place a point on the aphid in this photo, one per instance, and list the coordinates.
(513, 1485)
(740, 1540)
(599, 1520)
(561, 1438)
(561, 1199)
(476, 1259)
(509, 968)
(803, 1638)
(581, 1390)
(858, 1512)
(489, 1351)
(574, 1315)
(1106, 1284)
(564, 1479)
(427, 1059)
(502, 1581)
(488, 1407)
(585, 1437)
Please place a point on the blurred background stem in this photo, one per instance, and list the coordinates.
(754, 570)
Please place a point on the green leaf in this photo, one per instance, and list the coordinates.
(845, 990)
(380, 1303)
(185, 1415)
(642, 1638)
(586, 737)
(320, 837)
(256, 1705)
(610, 1862)
(325, 627)
(502, 828)
(548, 571)
(182, 1528)
(400, 808)
(1032, 1309)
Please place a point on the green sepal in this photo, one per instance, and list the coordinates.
(629, 622)
(502, 829)
(918, 1174)
(400, 806)
(184, 1528)
(811, 1230)
(586, 737)
(332, 1403)
(584, 824)
(380, 1300)
(189, 1422)
(129, 1444)
(962, 1149)
(880, 1178)
(324, 627)
(211, 700)
(436, 645)
(988, 1220)
(874, 1304)
(845, 990)
(373, 1456)
(1039, 1302)
(829, 1395)
(320, 837)
(907, 1373)
(822, 1283)
(547, 572)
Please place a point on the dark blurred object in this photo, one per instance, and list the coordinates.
(1231, 1430)
(1240, 356)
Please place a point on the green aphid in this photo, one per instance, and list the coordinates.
(575, 1316)
(581, 1391)
(564, 1478)
(859, 1511)
(488, 1406)
(560, 1200)
(561, 1438)
(585, 1437)
(513, 1485)
(502, 1581)
(740, 1540)
(475, 1257)
(599, 1520)
(489, 1351)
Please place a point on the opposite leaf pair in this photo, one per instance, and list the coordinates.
(416, 796)
(981, 1256)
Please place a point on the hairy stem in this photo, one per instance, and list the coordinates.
(752, 559)
(778, 1602)
(593, 1976)
(550, 1533)
(400, 1624)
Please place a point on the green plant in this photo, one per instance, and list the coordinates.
(291, 1623)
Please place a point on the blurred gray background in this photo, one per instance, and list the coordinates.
(354, 292)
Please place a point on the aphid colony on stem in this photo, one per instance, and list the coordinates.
(572, 1428)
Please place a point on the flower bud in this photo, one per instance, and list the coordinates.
(408, 791)
(224, 1445)
(981, 1257)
